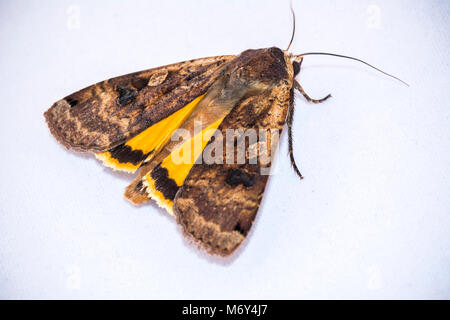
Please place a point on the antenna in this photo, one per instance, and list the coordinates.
(351, 58)
(293, 28)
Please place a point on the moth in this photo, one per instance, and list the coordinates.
(128, 122)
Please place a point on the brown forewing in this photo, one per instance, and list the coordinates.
(108, 113)
(217, 203)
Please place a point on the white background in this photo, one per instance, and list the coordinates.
(370, 219)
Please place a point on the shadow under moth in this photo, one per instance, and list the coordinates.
(128, 122)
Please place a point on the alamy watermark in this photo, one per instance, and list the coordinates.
(373, 17)
(73, 17)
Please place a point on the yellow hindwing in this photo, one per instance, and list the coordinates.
(168, 176)
(143, 147)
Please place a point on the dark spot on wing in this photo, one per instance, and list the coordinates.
(239, 229)
(126, 95)
(163, 183)
(71, 101)
(124, 154)
(236, 177)
(140, 186)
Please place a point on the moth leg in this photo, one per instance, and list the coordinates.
(290, 118)
(299, 88)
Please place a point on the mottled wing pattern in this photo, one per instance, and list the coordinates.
(217, 203)
(106, 114)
